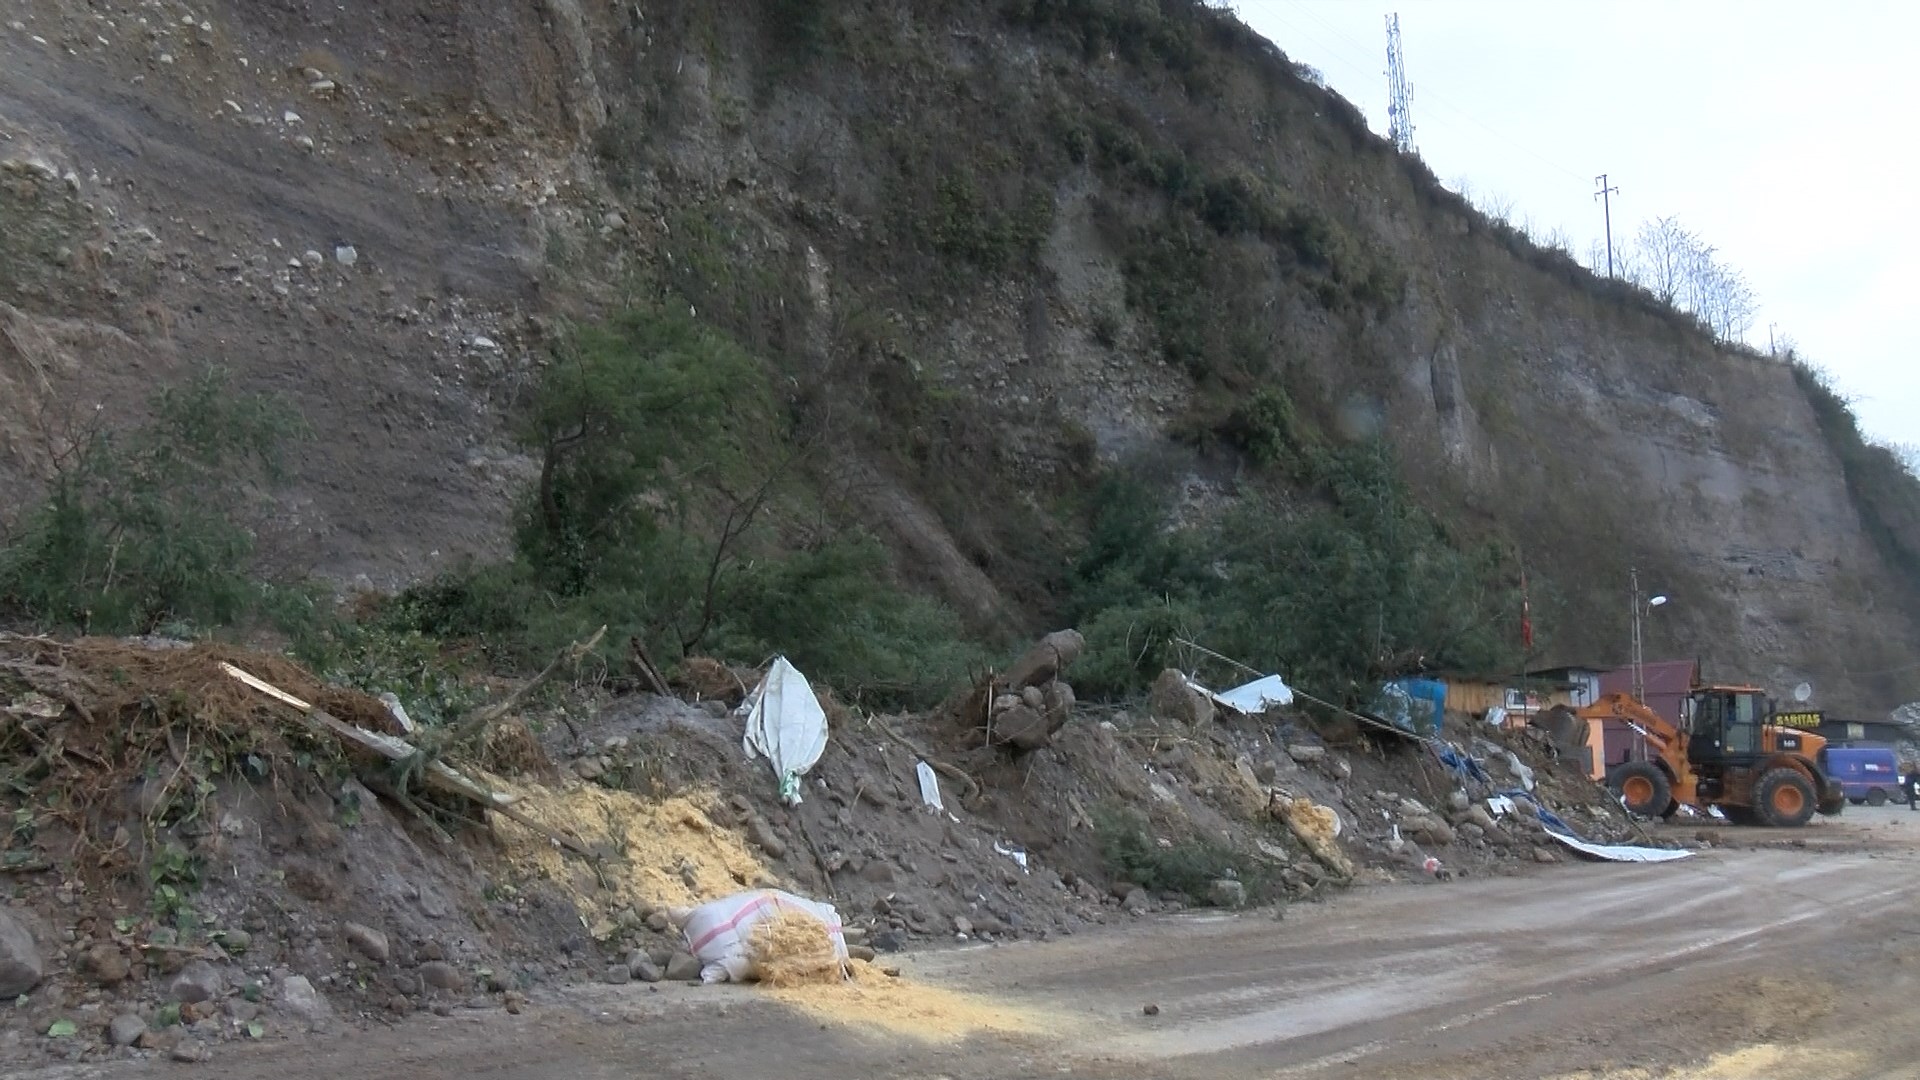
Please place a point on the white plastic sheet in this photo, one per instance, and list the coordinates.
(717, 933)
(1620, 852)
(785, 726)
(1256, 697)
(929, 786)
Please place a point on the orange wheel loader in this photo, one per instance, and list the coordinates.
(1726, 753)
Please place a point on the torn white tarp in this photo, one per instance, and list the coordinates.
(929, 786)
(1619, 852)
(785, 726)
(1254, 698)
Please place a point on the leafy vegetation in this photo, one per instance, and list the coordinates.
(1358, 585)
(1189, 865)
(662, 453)
(146, 529)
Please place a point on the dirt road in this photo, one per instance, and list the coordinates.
(1775, 961)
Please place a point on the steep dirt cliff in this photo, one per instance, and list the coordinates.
(993, 247)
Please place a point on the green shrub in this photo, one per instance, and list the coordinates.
(1357, 585)
(835, 612)
(145, 529)
(1263, 427)
(625, 408)
(1189, 866)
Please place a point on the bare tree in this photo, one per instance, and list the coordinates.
(1495, 205)
(1666, 254)
(1723, 299)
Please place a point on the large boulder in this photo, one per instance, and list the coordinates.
(20, 963)
(1173, 698)
(1048, 658)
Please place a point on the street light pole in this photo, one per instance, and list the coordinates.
(1639, 677)
(1639, 673)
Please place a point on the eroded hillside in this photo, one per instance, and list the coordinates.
(993, 250)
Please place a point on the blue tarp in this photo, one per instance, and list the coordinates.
(1413, 705)
(1459, 763)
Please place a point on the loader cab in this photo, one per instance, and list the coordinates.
(1725, 725)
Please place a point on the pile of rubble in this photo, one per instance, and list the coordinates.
(254, 871)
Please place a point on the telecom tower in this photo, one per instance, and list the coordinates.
(1399, 92)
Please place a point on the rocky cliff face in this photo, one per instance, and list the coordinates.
(996, 244)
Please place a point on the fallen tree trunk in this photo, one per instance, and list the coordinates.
(436, 774)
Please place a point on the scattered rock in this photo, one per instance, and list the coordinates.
(879, 871)
(198, 981)
(1150, 1009)
(515, 1002)
(963, 925)
(1306, 753)
(1137, 902)
(442, 976)
(190, 1050)
(346, 254)
(1542, 855)
(322, 87)
(1227, 893)
(368, 942)
(1174, 699)
(105, 964)
(1479, 815)
(126, 1030)
(298, 997)
(659, 923)
(20, 963)
(1046, 659)
(762, 834)
(618, 975)
(1427, 830)
(645, 970)
(684, 967)
(235, 941)
(861, 952)
(889, 941)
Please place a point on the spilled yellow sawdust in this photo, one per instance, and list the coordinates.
(1316, 826)
(665, 853)
(793, 949)
(1766, 1062)
(898, 1006)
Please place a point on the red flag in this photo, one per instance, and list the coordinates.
(1526, 614)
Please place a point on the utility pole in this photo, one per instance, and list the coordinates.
(1639, 676)
(1606, 205)
(1399, 91)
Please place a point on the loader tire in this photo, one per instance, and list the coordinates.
(1784, 798)
(1642, 787)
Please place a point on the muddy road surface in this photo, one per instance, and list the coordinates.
(1775, 957)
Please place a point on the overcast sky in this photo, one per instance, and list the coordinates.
(1775, 131)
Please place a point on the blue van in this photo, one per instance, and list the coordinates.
(1869, 774)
